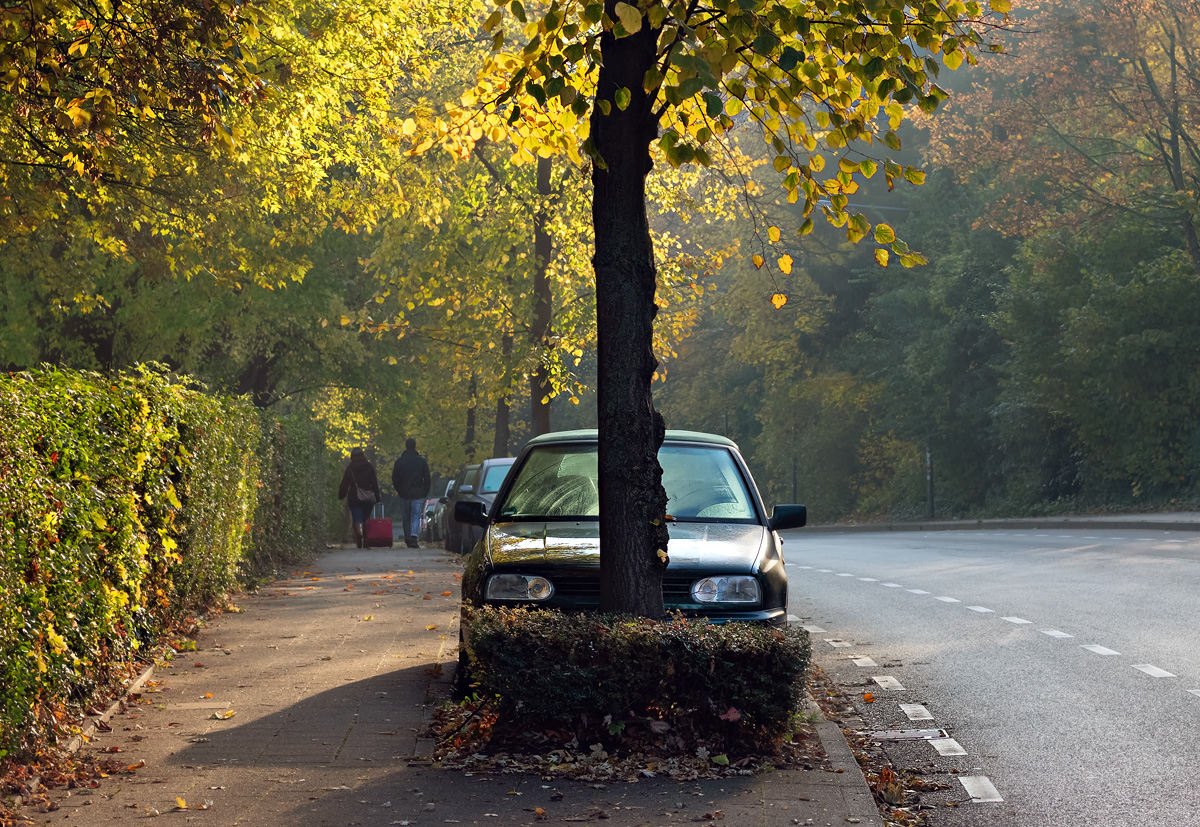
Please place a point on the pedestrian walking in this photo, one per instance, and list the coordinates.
(410, 476)
(360, 490)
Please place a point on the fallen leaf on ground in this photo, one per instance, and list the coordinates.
(224, 716)
(431, 627)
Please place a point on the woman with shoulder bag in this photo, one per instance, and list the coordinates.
(360, 489)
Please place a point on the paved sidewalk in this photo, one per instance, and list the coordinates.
(331, 676)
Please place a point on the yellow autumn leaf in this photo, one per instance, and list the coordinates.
(779, 300)
(758, 262)
(785, 264)
(882, 256)
(773, 233)
(180, 804)
(431, 627)
(224, 716)
(630, 17)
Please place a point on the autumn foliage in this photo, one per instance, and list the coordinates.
(126, 503)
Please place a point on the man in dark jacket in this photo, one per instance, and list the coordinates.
(410, 476)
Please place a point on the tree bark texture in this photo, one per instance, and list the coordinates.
(469, 436)
(539, 382)
(503, 407)
(632, 501)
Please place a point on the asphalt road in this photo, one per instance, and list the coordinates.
(989, 632)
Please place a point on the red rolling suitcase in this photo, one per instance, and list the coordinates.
(377, 531)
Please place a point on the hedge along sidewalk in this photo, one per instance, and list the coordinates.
(332, 682)
(125, 505)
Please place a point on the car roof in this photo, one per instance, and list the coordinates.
(590, 435)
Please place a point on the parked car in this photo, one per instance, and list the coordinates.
(434, 508)
(477, 484)
(542, 546)
(447, 518)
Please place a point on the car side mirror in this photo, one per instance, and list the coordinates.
(443, 500)
(471, 513)
(788, 516)
(466, 489)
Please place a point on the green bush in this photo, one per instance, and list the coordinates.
(737, 683)
(293, 497)
(127, 502)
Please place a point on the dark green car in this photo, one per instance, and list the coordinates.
(541, 543)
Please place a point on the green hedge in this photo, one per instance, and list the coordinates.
(126, 502)
(738, 683)
(294, 499)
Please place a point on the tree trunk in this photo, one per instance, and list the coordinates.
(539, 382)
(469, 437)
(503, 409)
(633, 504)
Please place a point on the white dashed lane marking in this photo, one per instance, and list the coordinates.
(825, 571)
(1055, 633)
(863, 662)
(1153, 671)
(845, 574)
(838, 643)
(804, 567)
(868, 579)
(889, 683)
(814, 629)
(917, 712)
(980, 788)
(981, 609)
(948, 599)
(1100, 650)
(891, 585)
(1194, 691)
(917, 591)
(948, 746)
(1017, 620)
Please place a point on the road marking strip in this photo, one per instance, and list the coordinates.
(838, 643)
(813, 629)
(948, 599)
(1099, 650)
(917, 712)
(804, 567)
(1194, 691)
(869, 579)
(918, 591)
(888, 682)
(981, 609)
(891, 585)
(1017, 620)
(863, 662)
(1055, 633)
(1153, 671)
(948, 746)
(825, 571)
(980, 788)
(845, 574)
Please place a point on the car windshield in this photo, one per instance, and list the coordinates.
(703, 484)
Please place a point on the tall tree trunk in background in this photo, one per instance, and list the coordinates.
(540, 332)
(469, 437)
(503, 409)
(633, 529)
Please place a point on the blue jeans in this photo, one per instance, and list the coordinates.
(410, 516)
(360, 513)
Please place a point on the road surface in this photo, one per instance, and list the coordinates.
(1064, 665)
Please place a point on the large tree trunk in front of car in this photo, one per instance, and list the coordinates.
(633, 504)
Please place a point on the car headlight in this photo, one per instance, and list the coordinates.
(726, 589)
(518, 587)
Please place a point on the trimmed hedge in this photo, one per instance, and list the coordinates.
(738, 683)
(126, 503)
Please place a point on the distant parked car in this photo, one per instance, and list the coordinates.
(476, 484)
(447, 516)
(434, 508)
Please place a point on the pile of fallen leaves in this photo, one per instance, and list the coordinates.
(31, 782)
(472, 737)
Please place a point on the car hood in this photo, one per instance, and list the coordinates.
(733, 546)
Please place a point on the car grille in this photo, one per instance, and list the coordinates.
(582, 591)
